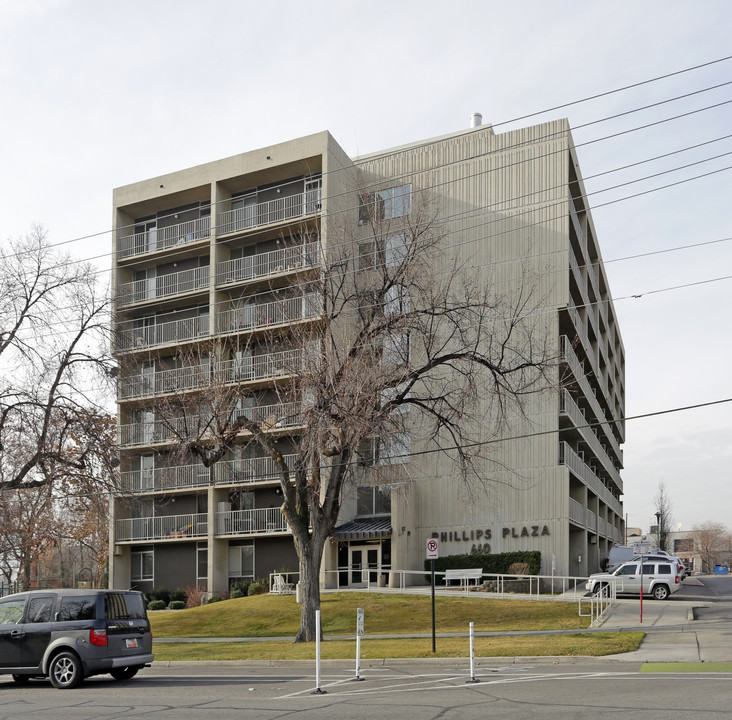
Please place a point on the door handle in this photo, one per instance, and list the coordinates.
(17, 634)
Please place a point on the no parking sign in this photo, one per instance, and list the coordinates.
(433, 549)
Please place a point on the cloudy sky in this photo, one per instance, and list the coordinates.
(96, 95)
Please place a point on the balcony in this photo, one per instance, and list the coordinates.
(269, 263)
(161, 238)
(250, 470)
(163, 286)
(147, 336)
(153, 432)
(259, 367)
(165, 527)
(266, 213)
(268, 314)
(584, 472)
(161, 382)
(245, 522)
(165, 478)
(274, 417)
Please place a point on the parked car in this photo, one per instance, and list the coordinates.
(68, 635)
(660, 578)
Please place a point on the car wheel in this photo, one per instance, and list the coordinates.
(21, 679)
(660, 592)
(66, 671)
(124, 673)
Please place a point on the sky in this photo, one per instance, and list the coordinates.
(97, 95)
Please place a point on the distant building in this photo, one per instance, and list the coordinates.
(207, 254)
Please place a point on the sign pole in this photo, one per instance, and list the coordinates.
(359, 633)
(433, 552)
(432, 563)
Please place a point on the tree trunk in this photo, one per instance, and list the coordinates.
(310, 559)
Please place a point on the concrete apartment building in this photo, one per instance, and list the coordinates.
(213, 256)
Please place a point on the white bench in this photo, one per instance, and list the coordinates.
(464, 575)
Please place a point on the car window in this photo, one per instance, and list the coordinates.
(627, 570)
(649, 569)
(40, 609)
(11, 611)
(76, 607)
(664, 570)
(124, 606)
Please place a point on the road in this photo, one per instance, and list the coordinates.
(402, 690)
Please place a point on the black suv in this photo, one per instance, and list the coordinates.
(68, 635)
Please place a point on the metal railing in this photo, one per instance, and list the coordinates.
(259, 367)
(271, 417)
(245, 522)
(162, 527)
(597, 604)
(163, 381)
(264, 315)
(268, 263)
(163, 286)
(146, 336)
(163, 237)
(165, 478)
(572, 460)
(251, 470)
(266, 213)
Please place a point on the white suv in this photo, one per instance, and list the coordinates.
(660, 578)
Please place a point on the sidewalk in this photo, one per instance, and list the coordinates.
(673, 635)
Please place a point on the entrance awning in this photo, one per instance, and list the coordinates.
(364, 529)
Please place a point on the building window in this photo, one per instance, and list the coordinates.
(241, 561)
(396, 349)
(385, 204)
(201, 562)
(395, 449)
(143, 565)
(373, 501)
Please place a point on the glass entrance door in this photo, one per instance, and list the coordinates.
(364, 564)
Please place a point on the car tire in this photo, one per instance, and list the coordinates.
(660, 592)
(124, 673)
(21, 679)
(66, 671)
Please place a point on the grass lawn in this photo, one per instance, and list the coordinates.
(264, 616)
(279, 615)
(552, 645)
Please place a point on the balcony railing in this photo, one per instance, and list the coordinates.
(163, 286)
(165, 478)
(250, 470)
(266, 213)
(584, 472)
(161, 238)
(259, 367)
(175, 380)
(277, 312)
(162, 333)
(273, 417)
(149, 433)
(244, 522)
(162, 527)
(269, 263)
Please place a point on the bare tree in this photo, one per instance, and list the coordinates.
(712, 542)
(394, 341)
(664, 518)
(53, 338)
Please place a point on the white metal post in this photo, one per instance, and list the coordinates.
(317, 690)
(472, 678)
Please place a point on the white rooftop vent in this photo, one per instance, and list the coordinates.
(476, 120)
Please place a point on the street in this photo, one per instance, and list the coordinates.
(404, 689)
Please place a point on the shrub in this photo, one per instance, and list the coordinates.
(214, 598)
(492, 564)
(258, 587)
(177, 595)
(157, 605)
(236, 593)
(518, 568)
(158, 594)
(241, 585)
(194, 595)
(177, 604)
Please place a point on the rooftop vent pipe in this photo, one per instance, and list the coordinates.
(476, 120)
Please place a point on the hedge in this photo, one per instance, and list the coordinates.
(493, 563)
